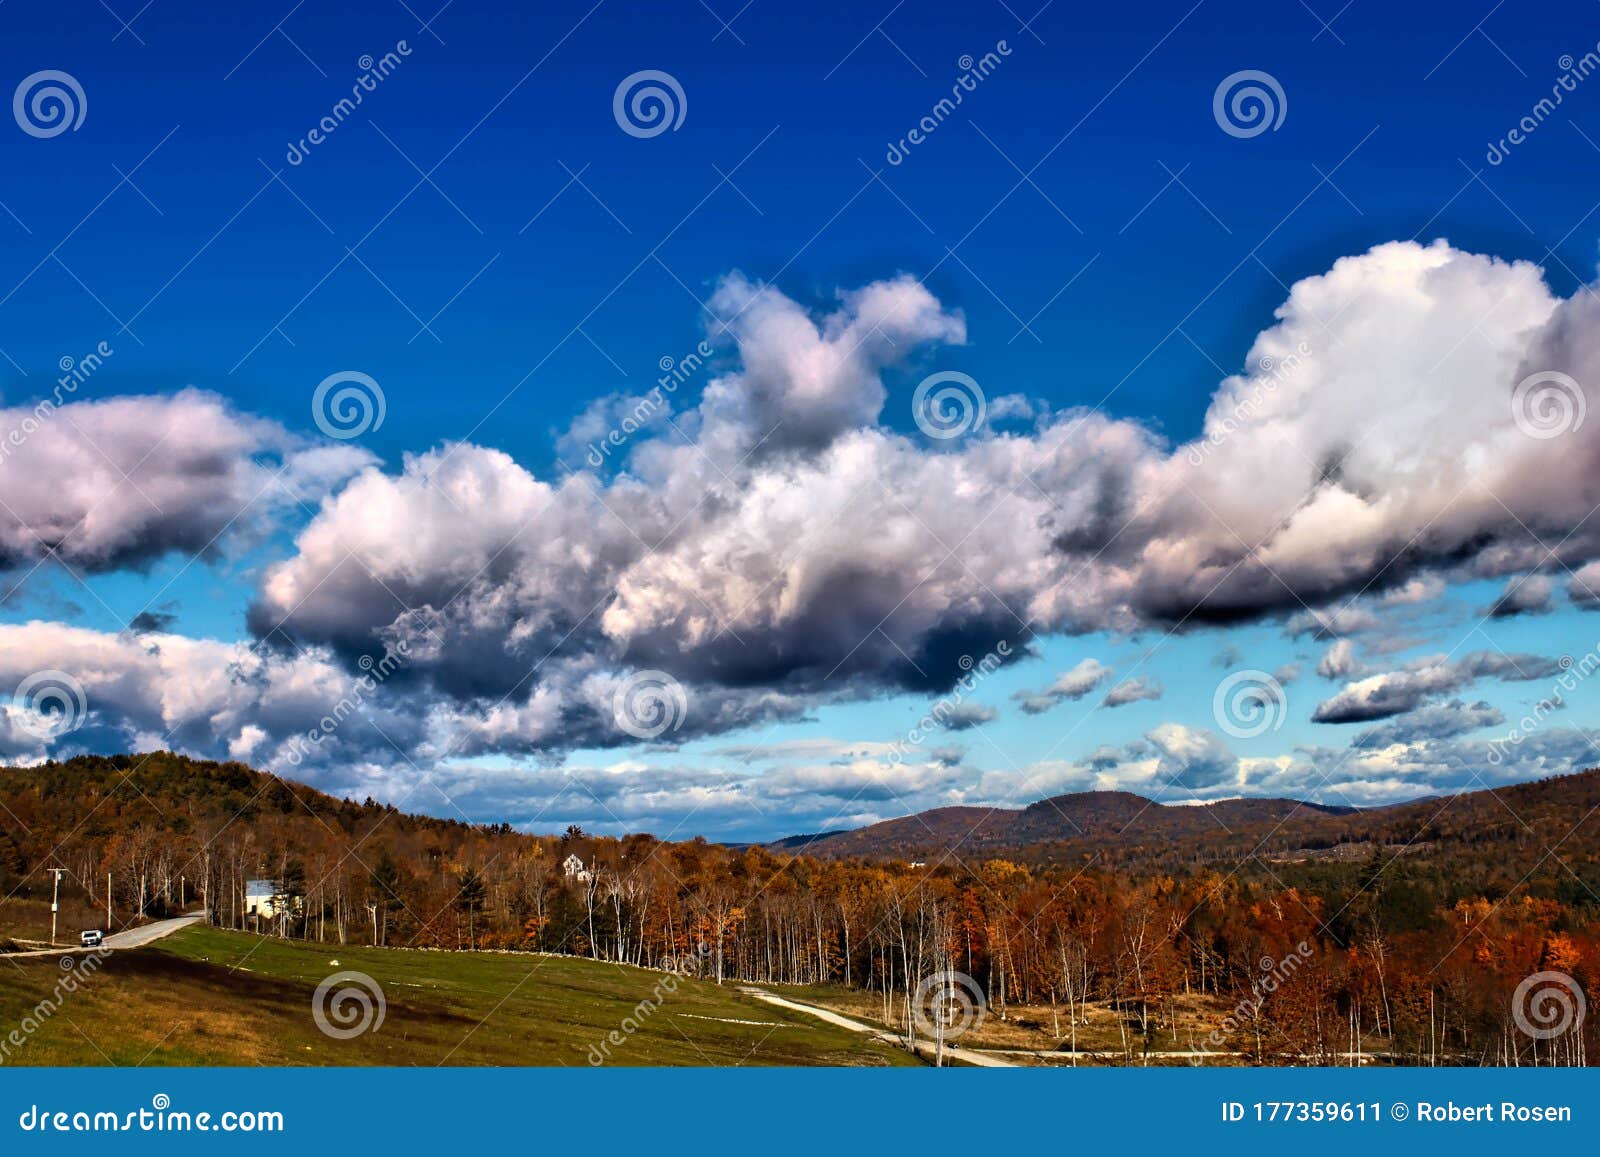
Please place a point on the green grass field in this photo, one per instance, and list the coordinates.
(208, 997)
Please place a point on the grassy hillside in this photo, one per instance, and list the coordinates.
(204, 996)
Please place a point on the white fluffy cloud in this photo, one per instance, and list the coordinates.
(120, 482)
(1132, 691)
(1390, 693)
(142, 691)
(1339, 661)
(798, 544)
(1085, 677)
(791, 540)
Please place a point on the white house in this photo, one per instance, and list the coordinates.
(574, 869)
(261, 899)
(258, 898)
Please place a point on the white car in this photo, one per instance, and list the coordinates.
(91, 938)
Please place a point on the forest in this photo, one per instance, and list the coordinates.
(1410, 943)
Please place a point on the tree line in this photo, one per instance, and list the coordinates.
(1407, 955)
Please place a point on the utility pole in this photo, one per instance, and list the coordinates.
(55, 901)
(108, 903)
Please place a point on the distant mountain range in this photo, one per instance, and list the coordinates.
(1121, 827)
(1101, 816)
(1547, 827)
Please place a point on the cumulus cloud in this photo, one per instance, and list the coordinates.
(1132, 691)
(604, 427)
(1339, 661)
(805, 381)
(147, 622)
(1391, 693)
(1438, 721)
(965, 716)
(153, 690)
(795, 542)
(787, 540)
(1192, 757)
(117, 483)
(1584, 587)
(1086, 676)
(1529, 595)
(1335, 622)
(1227, 657)
(1422, 589)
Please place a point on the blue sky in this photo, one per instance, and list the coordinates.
(483, 239)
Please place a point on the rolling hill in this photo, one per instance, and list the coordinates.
(1517, 822)
(1108, 817)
